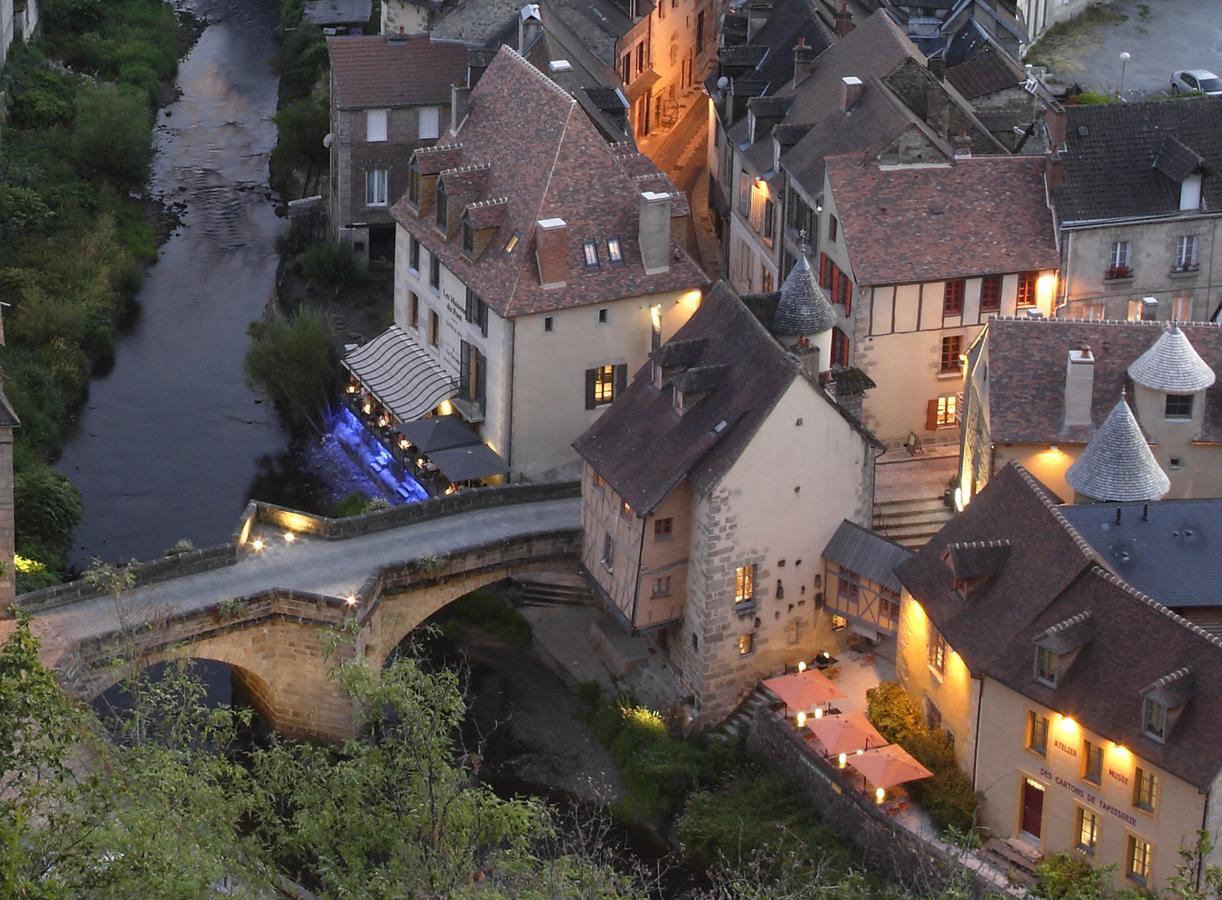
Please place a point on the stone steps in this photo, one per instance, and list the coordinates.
(911, 523)
(548, 589)
(738, 723)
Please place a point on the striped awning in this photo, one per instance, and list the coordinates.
(403, 376)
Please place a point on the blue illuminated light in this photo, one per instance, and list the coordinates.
(370, 454)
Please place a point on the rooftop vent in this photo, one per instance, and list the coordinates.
(560, 65)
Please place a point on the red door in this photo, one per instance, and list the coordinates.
(1033, 807)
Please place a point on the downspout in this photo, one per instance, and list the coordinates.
(976, 736)
(1204, 823)
(513, 343)
(636, 590)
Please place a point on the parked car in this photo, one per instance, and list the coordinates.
(1188, 81)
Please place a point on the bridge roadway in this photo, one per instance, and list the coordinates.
(333, 568)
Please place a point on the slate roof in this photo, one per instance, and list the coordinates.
(1117, 463)
(1026, 374)
(947, 219)
(644, 449)
(337, 12)
(867, 553)
(1172, 365)
(1111, 149)
(546, 157)
(372, 71)
(1051, 575)
(990, 71)
(802, 308)
(1171, 549)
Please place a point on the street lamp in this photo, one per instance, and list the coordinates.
(1125, 56)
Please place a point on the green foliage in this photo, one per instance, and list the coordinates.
(33, 575)
(289, 360)
(111, 134)
(948, 797)
(489, 611)
(230, 607)
(1068, 876)
(351, 505)
(22, 212)
(330, 263)
(48, 510)
(302, 62)
(301, 127)
(1090, 98)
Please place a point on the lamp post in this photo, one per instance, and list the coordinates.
(1125, 56)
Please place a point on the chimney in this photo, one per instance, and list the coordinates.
(963, 146)
(1054, 171)
(1079, 387)
(935, 109)
(530, 26)
(757, 17)
(654, 235)
(852, 92)
(844, 20)
(937, 65)
(551, 251)
(1057, 123)
(460, 105)
(803, 60)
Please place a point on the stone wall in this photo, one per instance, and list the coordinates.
(884, 845)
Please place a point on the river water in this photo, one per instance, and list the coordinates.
(171, 442)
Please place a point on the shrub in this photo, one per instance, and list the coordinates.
(1067, 876)
(33, 575)
(352, 505)
(111, 134)
(141, 76)
(893, 711)
(330, 263)
(181, 546)
(1091, 98)
(48, 508)
(488, 611)
(289, 359)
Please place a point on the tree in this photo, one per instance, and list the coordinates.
(111, 134)
(290, 361)
(301, 125)
(49, 509)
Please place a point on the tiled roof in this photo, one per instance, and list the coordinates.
(1026, 373)
(1111, 149)
(1117, 463)
(1050, 576)
(372, 71)
(867, 553)
(988, 72)
(337, 12)
(1168, 549)
(1172, 365)
(803, 308)
(545, 156)
(977, 216)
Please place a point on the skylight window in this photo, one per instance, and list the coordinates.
(512, 242)
(589, 250)
(615, 251)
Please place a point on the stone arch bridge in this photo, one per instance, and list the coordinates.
(266, 603)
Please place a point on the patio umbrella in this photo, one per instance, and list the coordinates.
(802, 690)
(888, 766)
(438, 433)
(469, 463)
(845, 733)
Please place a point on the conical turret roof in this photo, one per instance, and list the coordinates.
(1172, 365)
(1117, 463)
(802, 308)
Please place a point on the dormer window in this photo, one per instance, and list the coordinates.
(443, 212)
(589, 253)
(468, 238)
(1179, 406)
(413, 183)
(615, 251)
(1046, 666)
(1153, 719)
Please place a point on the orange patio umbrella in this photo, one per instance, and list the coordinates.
(802, 690)
(845, 733)
(888, 766)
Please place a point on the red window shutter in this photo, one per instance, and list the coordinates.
(848, 296)
(824, 266)
(931, 415)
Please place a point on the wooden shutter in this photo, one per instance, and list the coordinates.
(848, 295)
(621, 380)
(590, 375)
(931, 415)
(824, 264)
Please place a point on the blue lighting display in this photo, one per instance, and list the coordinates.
(362, 445)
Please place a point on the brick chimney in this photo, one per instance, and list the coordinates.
(937, 65)
(530, 26)
(853, 89)
(551, 251)
(803, 60)
(1056, 121)
(963, 146)
(844, 20)
(654, 235)
(1079, 386)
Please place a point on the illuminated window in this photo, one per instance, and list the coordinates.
(1179, 406)
(589, 252)
(948, 408)
(1145, 790)
(512, 242)
(1026, 288)
(1037, 733)
(1092, 762)
(1153, 719)
(936, 651)
(663, 528)
(744, 584)
(746, 643)
(990, 293)
(839, 623)
(604, 385)
(615, 250)
(661, 586)
(1046, 666)
(1088, 830)
(952, 299)
(952, 346)
(1181, 308)
(1138, 860)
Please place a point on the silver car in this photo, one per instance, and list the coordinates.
(1188, 81)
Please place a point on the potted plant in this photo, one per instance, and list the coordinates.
(1115, 272)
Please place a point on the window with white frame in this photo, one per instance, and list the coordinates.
(1088, 830)
(1181, 308)
(1046, 666)
(1119, 260)
(429, 122)
(1143, 310)
(1138, 859)
(1153, 719)
(376, 181)
(375, 125)
(1186, 253)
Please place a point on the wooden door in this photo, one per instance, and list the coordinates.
(1033, 807)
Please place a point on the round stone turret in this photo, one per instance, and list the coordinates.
(802, 310)
(1172, 366)
(1117, 464)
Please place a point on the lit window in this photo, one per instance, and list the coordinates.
(952, 299)
(1092, 762)
(604, 385)
(746, 642)
(1145, 790)
(947, 411)
(1186, 253)
(589, 252)
(615, 250)
(1179, 406)
(663, 528)
(1026, 288)
(512, 242)
(1181, 308)
(375, 125)
(661, 586)
(1138, 859)
(744, 584)
(1046, 666)
(1144, 310)
(990, 293)
(1037, 733)
(376, 181)
(936, 651)
(1153, 719)
(429, 122)
(952, 346)
(839, 623)
(1088, 830)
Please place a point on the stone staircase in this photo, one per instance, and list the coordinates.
(551, 589)
(738, 723)
(910, 523)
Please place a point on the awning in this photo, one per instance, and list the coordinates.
(401, 374)
(641, 84)
(888, 766)
(802, 690)
(469, 463)
(438, 433)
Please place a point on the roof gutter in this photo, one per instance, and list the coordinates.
(1131, 220)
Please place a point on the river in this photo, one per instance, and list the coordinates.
(171, 442)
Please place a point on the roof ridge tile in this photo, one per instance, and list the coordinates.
(1155, 605)
(1042, 495)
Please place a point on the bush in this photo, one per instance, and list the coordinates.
(1067, 876)
(49, 509)
(489, 612)
(111, 134)
(893, 712)
(1090, 98)
(351, 505)
(289, 359)
(330, 263)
